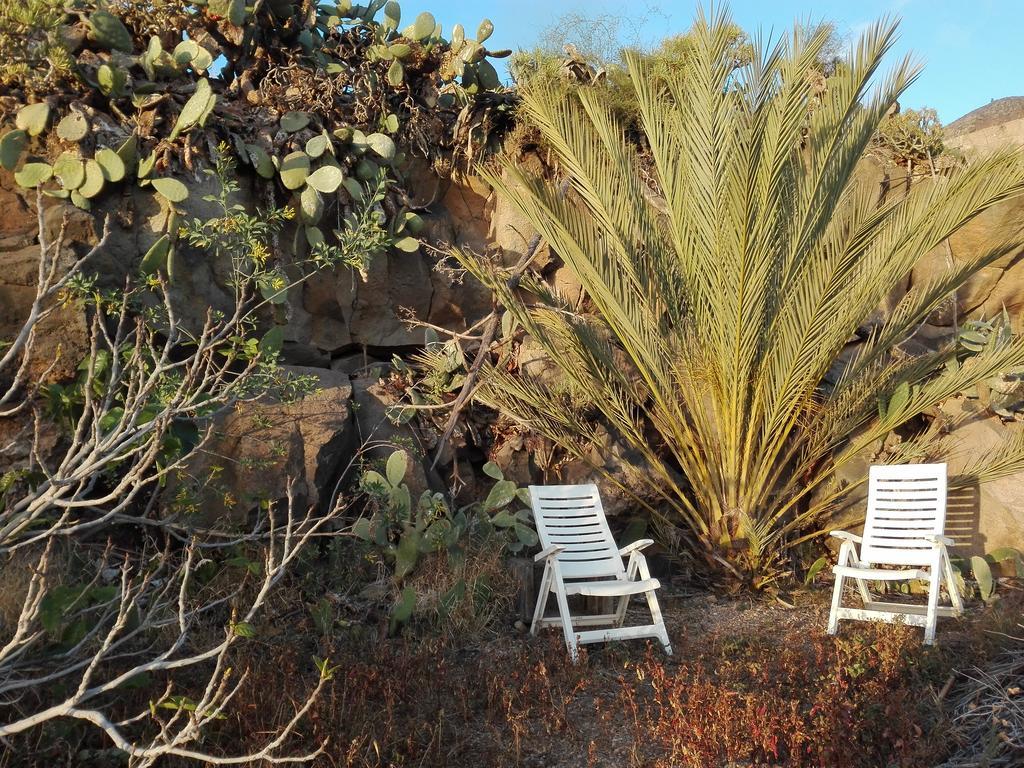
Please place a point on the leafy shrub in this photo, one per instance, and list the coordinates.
(404, 532)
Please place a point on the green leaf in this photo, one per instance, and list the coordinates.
(108, 30)
(272, 340)
(983, 575)
(111, 80)
(311, 205)
(354, 188)
(11, 146)
(171, 189)
(1001, 554)
(294, 170)
(396, 74)
(403, 609)
(244, 629)
(326, 179)
(110, 163)
(397, 465)
(503, 519)
(69, 170)
(406, 554)
(492, 470)
(898, 401)
(260, 161)
(362, 529)
(526, 535)
(487, 76)
(294, 121)
(155, 259)
(33, 118)
(73, 127)
(382, 144)
(392, 16)
(814, 570)
(146, 166)
(196, 109)
(128, 151)
(94, 180)
(413, 223)
(407, 244)
(190, 53)
(501, 494)
(314, 236)
(34, 174)
(401, 499)
(423, 27)
(373, 479)
(317, 145)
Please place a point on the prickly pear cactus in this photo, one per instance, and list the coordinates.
(326, 106)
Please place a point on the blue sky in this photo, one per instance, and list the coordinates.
(972, 49)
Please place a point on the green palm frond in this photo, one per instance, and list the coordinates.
(724, 284)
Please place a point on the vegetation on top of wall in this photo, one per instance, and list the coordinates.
(328, 103)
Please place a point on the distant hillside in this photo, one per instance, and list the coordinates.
(997, 123)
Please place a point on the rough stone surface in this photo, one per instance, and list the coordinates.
(509, 229)
(996, 124)
(1001, 283)
(255, 448)
(986, 516)
(62, 337)
(379, 437)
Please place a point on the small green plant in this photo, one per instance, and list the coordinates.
(979, 570)
(404, 531)
(1003, 393)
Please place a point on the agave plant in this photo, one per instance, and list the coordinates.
(725, 282)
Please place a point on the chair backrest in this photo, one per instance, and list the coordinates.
(572, 516)
(906, 502)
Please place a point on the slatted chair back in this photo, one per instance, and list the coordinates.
(571, 516)
(906, 504)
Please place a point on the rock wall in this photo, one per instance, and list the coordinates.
(343, 328)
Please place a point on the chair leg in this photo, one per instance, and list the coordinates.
(934, 584)
(951, 587)
(837, 589)
(542, 598)
(837, 596)
(653, 605)
(620, 610)
(571, 641)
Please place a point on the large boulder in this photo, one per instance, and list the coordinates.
(255, 448)
(62, 337)
(380, 435)
(982, 517)
(991, 288)
(995, 126)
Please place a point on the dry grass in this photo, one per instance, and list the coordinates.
(750, 684)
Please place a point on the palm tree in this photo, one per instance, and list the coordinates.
(726, 279)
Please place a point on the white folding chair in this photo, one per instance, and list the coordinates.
(904, 528)
(581, 558)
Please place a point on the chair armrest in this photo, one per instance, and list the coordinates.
(846, 536)
(551, 551)
(636, 546)
(937, 540)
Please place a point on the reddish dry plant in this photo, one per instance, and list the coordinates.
(789, 698)
(804, 701)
